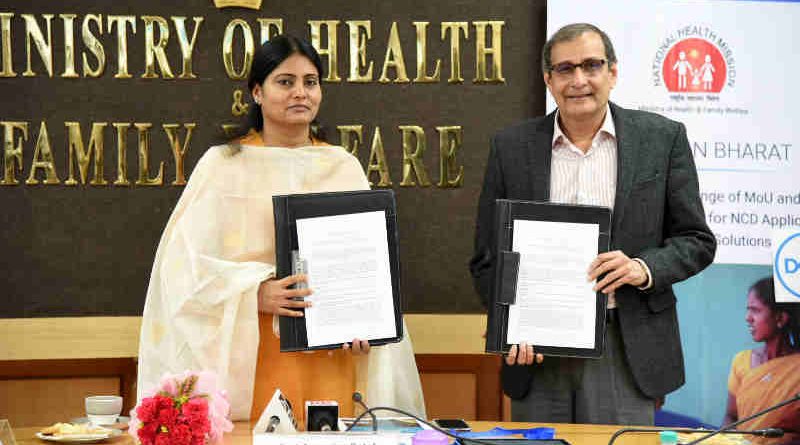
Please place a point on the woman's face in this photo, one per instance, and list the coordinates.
(291, 94)
(763, 323)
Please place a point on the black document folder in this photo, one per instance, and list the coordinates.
(504, 286)
(289, 208)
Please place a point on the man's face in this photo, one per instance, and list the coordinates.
(581, 94)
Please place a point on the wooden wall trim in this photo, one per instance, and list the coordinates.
(118, 337)
(122, 368)
(69, 338)
(486, 368)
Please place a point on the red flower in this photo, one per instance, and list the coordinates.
(163, 439)
(179, 414)
(147, 433)
(180, 435)
(168, 416)
(146, 411)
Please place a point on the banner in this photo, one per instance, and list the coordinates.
(724, 69)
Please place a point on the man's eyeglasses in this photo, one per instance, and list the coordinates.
(588, 66)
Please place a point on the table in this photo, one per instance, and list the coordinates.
(575, 434)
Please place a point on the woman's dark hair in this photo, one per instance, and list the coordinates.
(266, 58)
(764, 290)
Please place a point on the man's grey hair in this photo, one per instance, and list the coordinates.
(572, 32)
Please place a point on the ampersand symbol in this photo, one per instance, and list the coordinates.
(238, 107)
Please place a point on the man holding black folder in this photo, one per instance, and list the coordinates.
(593, 152)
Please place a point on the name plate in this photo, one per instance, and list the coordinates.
(332, 439)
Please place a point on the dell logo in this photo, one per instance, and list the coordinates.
(787, 266)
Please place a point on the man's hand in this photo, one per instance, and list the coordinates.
(619, 269)
(525, 356)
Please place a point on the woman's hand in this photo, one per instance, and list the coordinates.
(275, 297)
(360, 347)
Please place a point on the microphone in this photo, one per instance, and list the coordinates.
(322, 415)
(726, 429)
(274, 421)
(358, 398)
(277, 417)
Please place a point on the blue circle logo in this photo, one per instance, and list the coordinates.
(787, 264)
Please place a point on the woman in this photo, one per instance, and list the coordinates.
(213, 299)
(766, 375)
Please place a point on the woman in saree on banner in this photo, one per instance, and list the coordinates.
(769, 374)
(213, 299)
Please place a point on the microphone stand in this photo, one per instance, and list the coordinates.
(768, 432)
(459, 439)
(358, 398)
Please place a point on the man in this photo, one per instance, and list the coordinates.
(593, 152)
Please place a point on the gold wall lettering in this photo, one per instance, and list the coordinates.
(82, 156)
(329, 50)
(12, 152)
(227, 49)
(422, 56)
(350, 137)
(43, 159)
(90, 156)
(154, 51)
(122, 159)
(239, 106)
(143, 130)
(413, 148)
(270, 28)
(394, 59)
(178, 149)
(69, 46)
(482, 51)
(187, 45)
(451, 174)
(449, 144)
(455, 29)
(324, 35)
(121, 22)
(44, 47)
(377, 162)
(360, 32)
(5, 44)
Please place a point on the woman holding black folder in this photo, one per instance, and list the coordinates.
(213, 300)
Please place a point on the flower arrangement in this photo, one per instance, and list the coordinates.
(187, 409)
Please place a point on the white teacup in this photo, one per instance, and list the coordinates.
(103, 410)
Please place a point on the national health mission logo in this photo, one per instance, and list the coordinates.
(694, 59)
(787, 266)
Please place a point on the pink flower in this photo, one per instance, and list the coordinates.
(169, 384)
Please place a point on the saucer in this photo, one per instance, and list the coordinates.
(80, 438)
(120, 419)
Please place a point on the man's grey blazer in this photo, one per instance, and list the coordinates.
(657, 216)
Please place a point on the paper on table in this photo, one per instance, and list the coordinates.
(347, 258)
(555, 305)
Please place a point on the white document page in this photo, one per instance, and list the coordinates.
(555, 305)
(347, 261)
